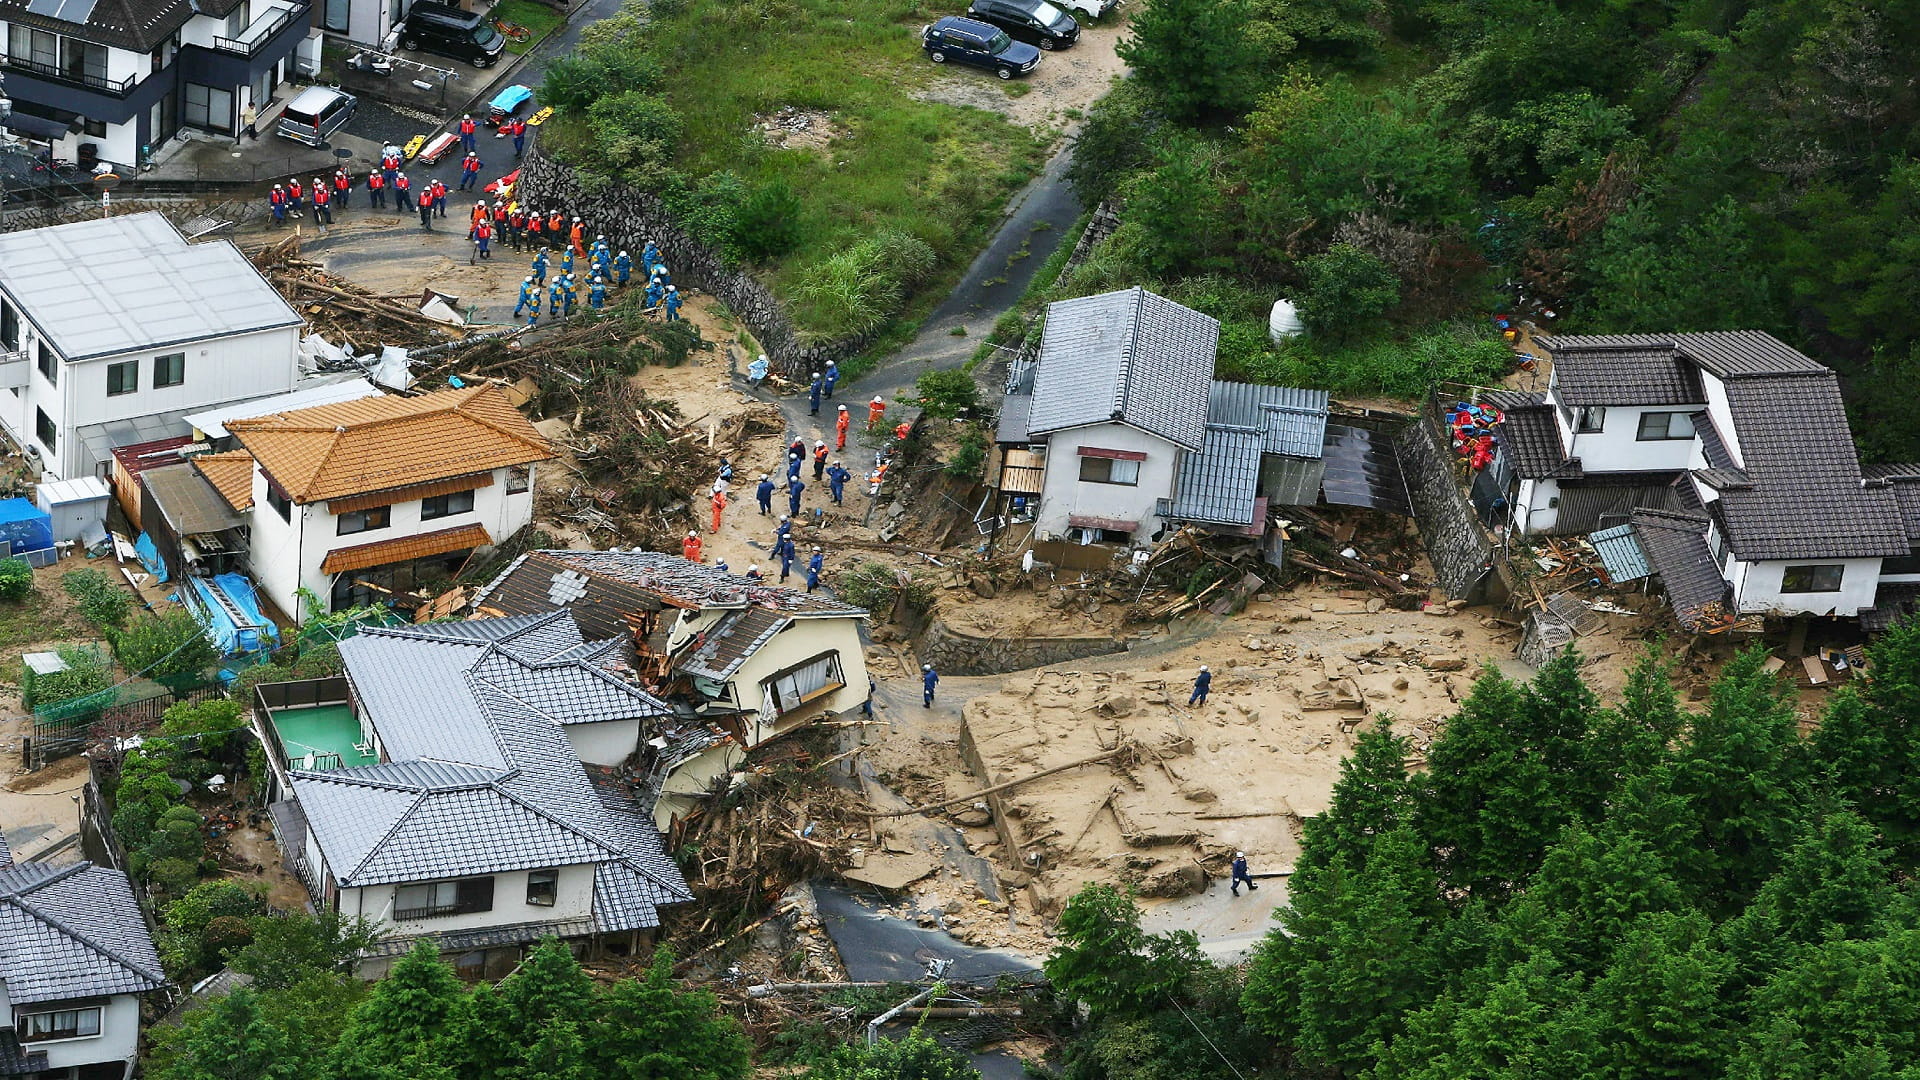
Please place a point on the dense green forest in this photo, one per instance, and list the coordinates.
(1570, 891)
(1402, 168)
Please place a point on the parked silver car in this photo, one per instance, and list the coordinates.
(314, 114)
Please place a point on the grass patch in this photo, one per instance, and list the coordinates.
(893, 164)
(538, 18)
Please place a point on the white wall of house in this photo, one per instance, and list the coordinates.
(273, 548)
(804, 639)
(1063, 494)
(119, 1038)
(1538, 504)
(1616, 447)
(1757, 588)
(574, 900)
(1722, 415)
(610, 742)
(688, 782)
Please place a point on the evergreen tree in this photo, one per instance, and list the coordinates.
(558, 1054)
(1532, 1023)
(1844, 1010)
(1632, 739)
(1600, 883)
(1372, 797)
(229, 1039)
(1657, 1011)
(1196, 53)
(1832, 884)
(916, 1057)
(549, 987)
(648, 1029)
(409, 1026)
(1869, 742)
(1105, 960)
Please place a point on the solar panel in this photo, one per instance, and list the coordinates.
(75, 11)
(44, 7)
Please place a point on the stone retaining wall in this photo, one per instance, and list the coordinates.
(630, 217)
(955, 652)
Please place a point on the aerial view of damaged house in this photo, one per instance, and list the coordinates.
(1727, 460)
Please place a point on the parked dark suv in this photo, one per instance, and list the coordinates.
(434, 27)
(1034, 21)
(967, 42)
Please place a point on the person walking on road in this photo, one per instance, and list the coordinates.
(322, 203)
(402, 194)
(876, 412)
(377, 190)
(819, 460)
(1201, 684)
(482, 235)
(794, 487)
(426, 210)
(832, 375)
(837, 478)
(467, 129)
(1240, 873)
(248, 118)
(929, 679)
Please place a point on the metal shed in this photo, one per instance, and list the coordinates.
(78, 506)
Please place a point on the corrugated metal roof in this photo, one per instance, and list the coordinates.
(79, 489)
(1217, 485)
(1131, 357)
(1292, 481)
(190, 504)
(1014, 411)
(106, 286)
(1292, 421)
(213, 422)
(1620, 553)
(72, 932)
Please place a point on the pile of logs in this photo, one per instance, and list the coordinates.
(342, 312)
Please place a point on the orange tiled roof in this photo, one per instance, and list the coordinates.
(377, 443)
(404, 548)
(231, 474)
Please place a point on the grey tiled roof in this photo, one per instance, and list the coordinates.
(1676, 548)
(1904, 481)
(1217, 485)
(1806, 499)
(1015, 410)
(483, 780)
(1530, 436)
(1621, 369)
(16, 1060)
(1892, 604)
(731, 640)
(1734, 354)
(1291, 421)
(1130, 357)
(6, 857)
(71, 932)
(1711, 442)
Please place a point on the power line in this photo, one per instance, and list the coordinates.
(1203, 1038)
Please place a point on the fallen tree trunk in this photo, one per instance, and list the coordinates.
(1123, 748)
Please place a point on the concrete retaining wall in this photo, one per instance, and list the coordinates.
(630, 217)
(1459, 548)
(953, 652)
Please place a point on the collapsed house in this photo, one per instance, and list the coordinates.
(1118, 430)
(1730, 457)
(442, 788)
(743, 662)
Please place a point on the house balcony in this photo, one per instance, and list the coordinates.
(310, 726)
(119, 88)
(265, 30)
(14, 369)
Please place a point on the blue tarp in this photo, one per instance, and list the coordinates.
(150, 557)
(24, 526)
(258, 633)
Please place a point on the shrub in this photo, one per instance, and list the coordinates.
(207, 923)
(169, 646)
(878, 587)
(635, 132)
(860, 288)
(947, 394)
(102, 602)
(1347, 289)
(87, 673)
(572, 84)
(16, 580)
(214, 720)
(769, 223)
(969, 456)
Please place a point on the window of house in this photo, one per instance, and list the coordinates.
(207, 106)
(543, 887)
(439, 506)
(280, 503)
(434, 898)
(1083, 536)
(63, 1024)
(373, 517)
(95, 129)
(169, 370)
(1902, 564)
(9, 327)
(123, 378)
(33, 46)
(1814, 578)
(800, 684)
(48, 363)
(1664, 425)
(83, 60)
(44, 430)
(519, 479)
(1590, 419)
(1100, 470)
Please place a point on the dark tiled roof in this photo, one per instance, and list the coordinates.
(1676, 547)
(1724, 479)
(70, 932)
(667, 579)
(136, 25)
(1624, 369)
(1806, 500)
(1904, 481)
(16, 1060)
(1736, 354)
(1711, 444)
(733, 638)
(1531, 437)
(1891, 604)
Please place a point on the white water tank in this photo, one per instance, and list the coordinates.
(1284, 321)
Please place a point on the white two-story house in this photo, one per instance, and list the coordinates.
(357, 500)
(1120, 429)
(112, 331)
(1730, 454)
(75, 960)
(101, 79)
(434, 790)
